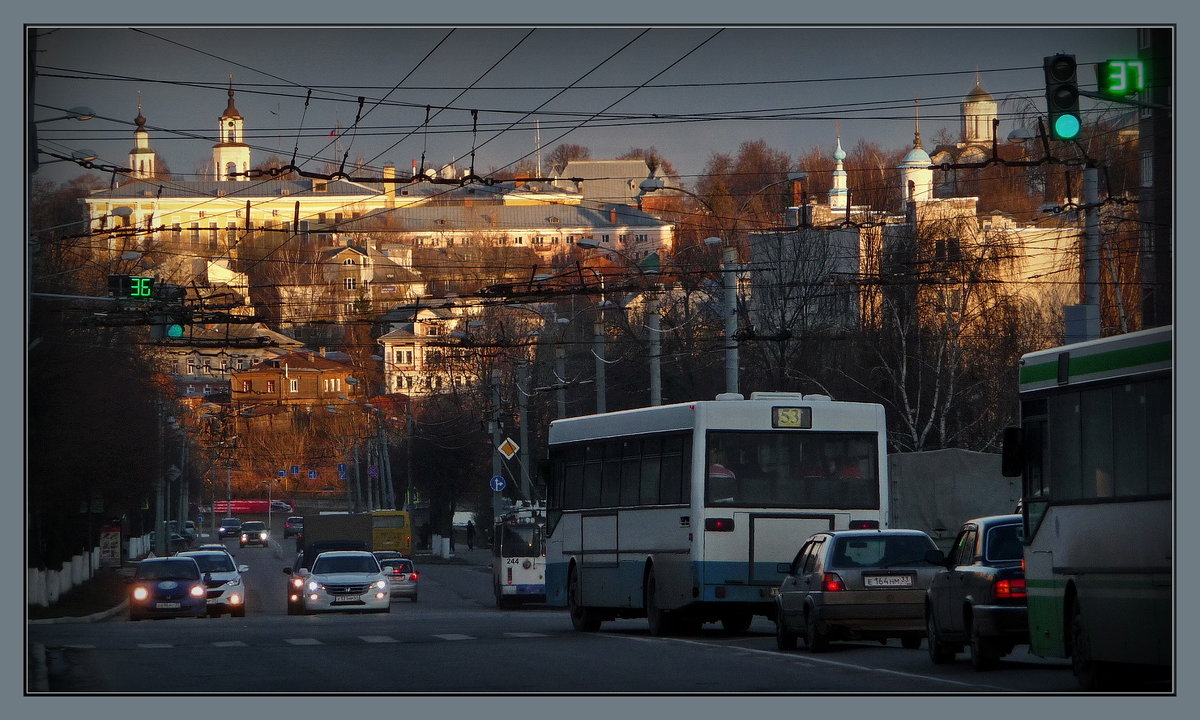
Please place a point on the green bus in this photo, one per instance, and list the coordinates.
(1095, 454)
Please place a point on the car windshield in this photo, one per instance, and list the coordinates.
(880, 551)
(230, 521)
(168, 570)
(214, 562)
(1004, 543)
(254, 525)
(345, 564)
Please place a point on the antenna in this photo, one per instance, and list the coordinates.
(537, 132)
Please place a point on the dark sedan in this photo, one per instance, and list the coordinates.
(230, 527)
(978, 600)
(167, 587)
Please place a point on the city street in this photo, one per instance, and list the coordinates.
(455, 641)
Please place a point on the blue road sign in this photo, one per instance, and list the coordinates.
(497, 483)
(295, 469)
(341, 471)
(283, 473)
(312, 474)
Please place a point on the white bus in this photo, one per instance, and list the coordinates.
(680, 513)
(1095, 454)
(519, 555)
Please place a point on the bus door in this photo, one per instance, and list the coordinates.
(776, 538)
(598, 558)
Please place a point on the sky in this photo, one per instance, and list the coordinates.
(494, 95)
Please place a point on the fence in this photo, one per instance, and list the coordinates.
(45, 587)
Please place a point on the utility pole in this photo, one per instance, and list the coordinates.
(653, 328)
(598, 342)
(523, 410)
(497, 469)
(729, 259)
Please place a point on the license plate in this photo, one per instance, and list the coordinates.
(774, 592)
(167, 606)
(345, 598)
(888, 580)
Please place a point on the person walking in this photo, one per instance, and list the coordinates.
(470, 535)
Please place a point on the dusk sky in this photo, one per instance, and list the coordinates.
(688, 92)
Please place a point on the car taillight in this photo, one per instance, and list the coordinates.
(832, 582)
(1010, 589)
(413, 576)
(864, 524)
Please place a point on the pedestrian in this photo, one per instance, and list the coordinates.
(470, 535)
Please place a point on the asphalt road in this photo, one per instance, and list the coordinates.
(454, 641)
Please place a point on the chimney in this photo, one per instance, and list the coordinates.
(322, 351)
(612, 215)
(389, 184)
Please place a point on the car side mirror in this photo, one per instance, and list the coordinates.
(287, 571)
(243, 568)
(935, 557)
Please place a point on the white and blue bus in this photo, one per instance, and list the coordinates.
(681, 513)
(1095, 453)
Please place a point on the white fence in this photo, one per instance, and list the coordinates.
(45, 587)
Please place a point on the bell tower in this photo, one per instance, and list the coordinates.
(230, 154)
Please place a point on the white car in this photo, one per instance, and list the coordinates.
(222, 580)
(345, 580)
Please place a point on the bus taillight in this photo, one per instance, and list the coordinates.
(718, 524)
(864, 524)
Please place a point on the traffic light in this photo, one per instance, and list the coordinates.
(1062, 96)
(170, 323)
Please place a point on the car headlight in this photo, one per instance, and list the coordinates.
(235, 581)
(313, 585)
(262, 536)
(297, 583)
(381, 584)
(140, 593)
(244, 536)
(198, 591)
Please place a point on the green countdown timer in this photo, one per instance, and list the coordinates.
(1121, 77)
(132, 287)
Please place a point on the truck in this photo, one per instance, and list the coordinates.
(251, 506)
(378, 530)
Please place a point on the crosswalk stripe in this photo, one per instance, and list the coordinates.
(525, 634)
(452, 636)
(155, 646)
(230, 643)
(302, 641)
(378, 639)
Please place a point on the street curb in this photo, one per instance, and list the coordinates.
(94, 617)
(39, 674)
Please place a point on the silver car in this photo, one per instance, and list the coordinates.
(223, 581)
(344, 580)
(856, 584)
(400, 573)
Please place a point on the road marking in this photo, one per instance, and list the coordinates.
(155, 646)
(302, 641)
(378, 639)
(80, 647)
(452, 636)
(525, 634)
(230, 643)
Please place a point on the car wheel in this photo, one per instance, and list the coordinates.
(660, 621)
(939, 652)
(983, 651)
(784, 639)
(736, 623)
(583, 619)
(910, 642)
(814, 638)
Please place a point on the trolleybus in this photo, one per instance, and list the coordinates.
(519, 555)
(681, 513)
(1094, 451)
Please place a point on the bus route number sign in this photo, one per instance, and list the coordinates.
(791, 417)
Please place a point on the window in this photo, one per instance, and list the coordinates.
(246, 386)
(348, 261)
(350, 283)
(270, 386)
(293, 385)
(404, 357)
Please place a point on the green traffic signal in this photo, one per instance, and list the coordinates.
(1062, 96)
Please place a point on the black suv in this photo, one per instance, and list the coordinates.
(254, 532)
(304, 559)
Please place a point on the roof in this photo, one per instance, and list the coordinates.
(299, 362)
(502, 218)
(243, 189)
(978, 94)
(242, 331)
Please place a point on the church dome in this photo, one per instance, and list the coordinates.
(978, 94)
(917, 156)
